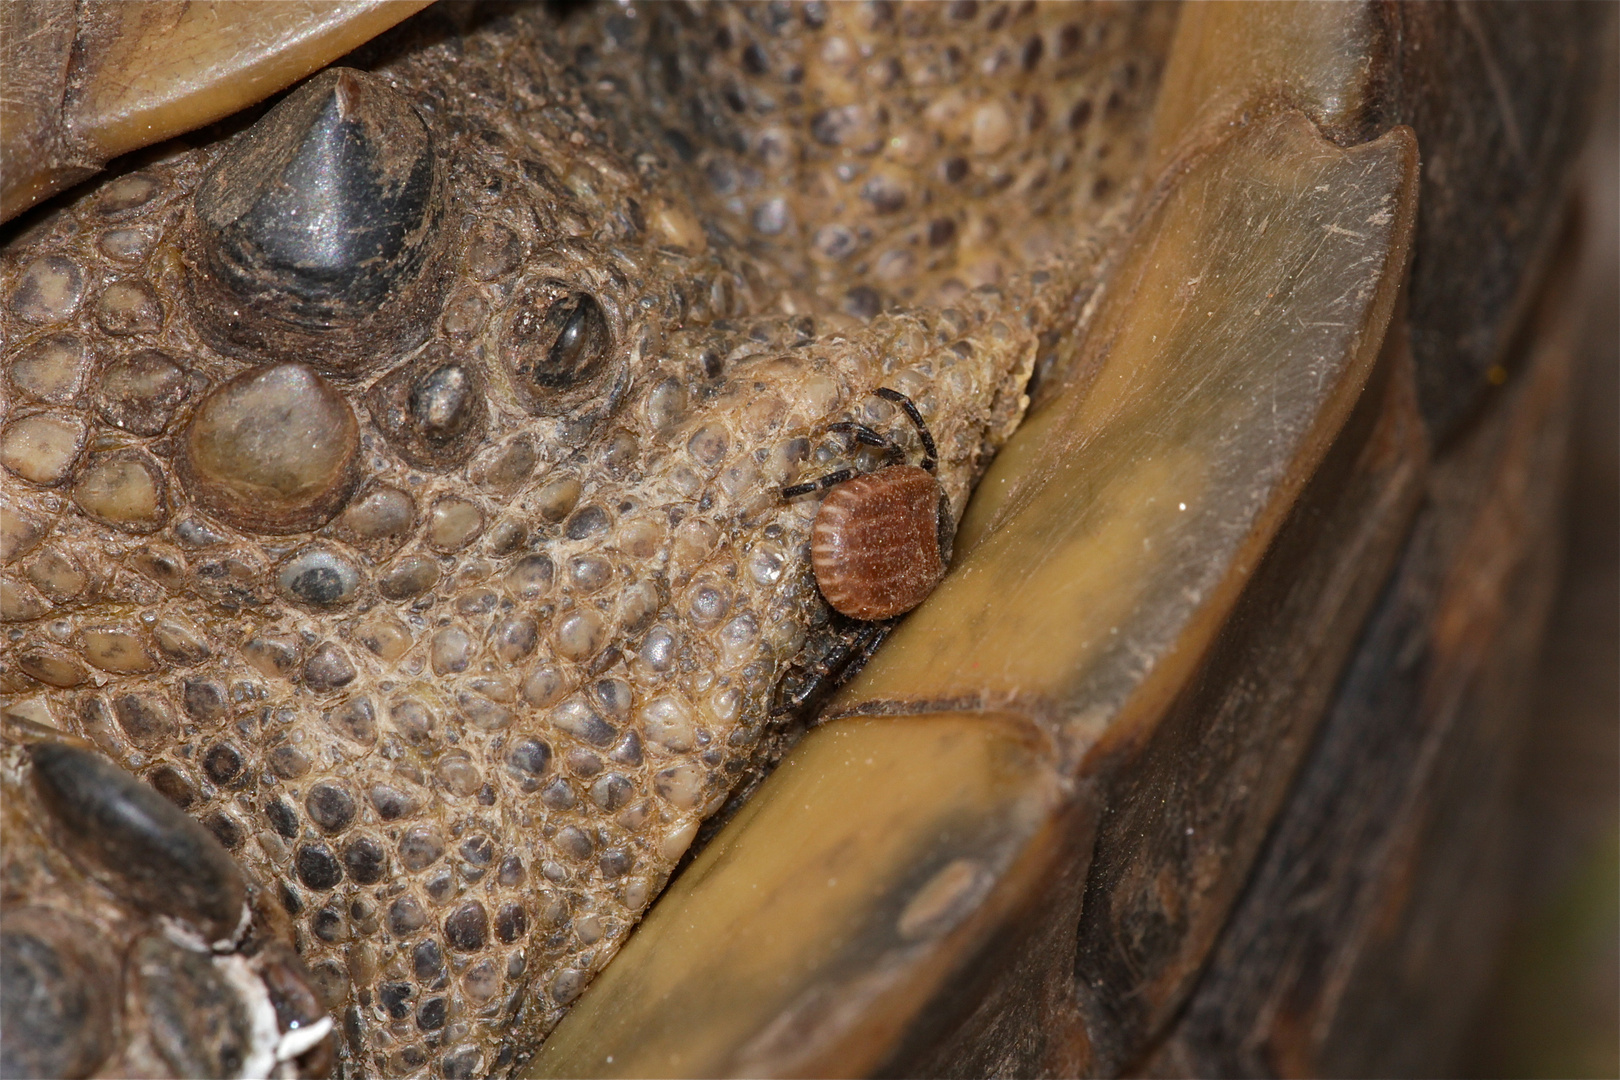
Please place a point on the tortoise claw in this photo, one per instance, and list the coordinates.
(139, 844)
(143, 949)
(56, 991)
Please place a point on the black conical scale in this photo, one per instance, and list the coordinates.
(324, 206)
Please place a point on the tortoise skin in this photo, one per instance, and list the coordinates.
(452, 610)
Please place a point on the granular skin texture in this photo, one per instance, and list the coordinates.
(454, 615)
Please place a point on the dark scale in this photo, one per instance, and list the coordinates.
(432, 409)
(57, 995)
(438, 402)
(330, 807)
(318, 227)
(317, 867)
(557, 347)
(365, 860)
(880, 542)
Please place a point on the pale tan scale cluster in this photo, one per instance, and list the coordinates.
(452, 649)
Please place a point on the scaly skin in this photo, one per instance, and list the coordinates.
(467, 747)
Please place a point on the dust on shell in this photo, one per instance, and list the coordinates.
(454, 673)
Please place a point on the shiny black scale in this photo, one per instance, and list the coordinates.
(318, 228)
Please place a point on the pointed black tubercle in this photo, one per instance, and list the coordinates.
(325, 209)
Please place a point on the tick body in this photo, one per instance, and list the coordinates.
(881, 542)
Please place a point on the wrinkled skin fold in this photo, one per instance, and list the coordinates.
(395, 484)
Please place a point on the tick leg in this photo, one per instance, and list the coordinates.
(862, 433)
(818, 485)
(866, 436)
(930, 453)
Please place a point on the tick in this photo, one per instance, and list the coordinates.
(881, 541)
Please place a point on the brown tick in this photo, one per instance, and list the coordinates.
(880, 542)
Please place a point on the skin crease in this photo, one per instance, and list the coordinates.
(458, 704)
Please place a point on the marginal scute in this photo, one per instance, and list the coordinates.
(273, 449)
(319, 226)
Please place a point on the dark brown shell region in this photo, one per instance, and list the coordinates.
(881, 542)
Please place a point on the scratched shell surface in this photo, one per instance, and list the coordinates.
(461, 700)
